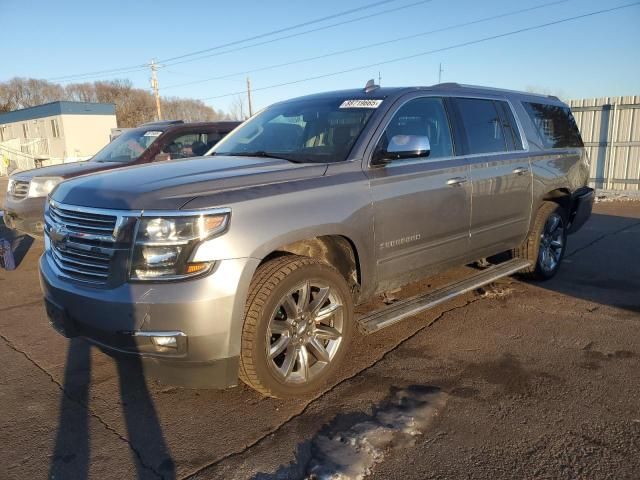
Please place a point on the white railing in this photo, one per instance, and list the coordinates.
(12, 159)
(38, 147)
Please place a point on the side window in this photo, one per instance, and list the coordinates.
(555, 124)
(424, 117)
(482, 125)
(190, 145)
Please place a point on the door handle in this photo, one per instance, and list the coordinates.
(520, 170)
(456, 181)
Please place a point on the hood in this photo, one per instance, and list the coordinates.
(171, 185)
(66, 170)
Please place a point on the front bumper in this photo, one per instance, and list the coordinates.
(205, 314)
(582, 206)
(25, 215)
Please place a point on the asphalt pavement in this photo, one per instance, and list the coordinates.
(519, 380)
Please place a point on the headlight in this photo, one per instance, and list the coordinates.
(42, 186)
(164, 245)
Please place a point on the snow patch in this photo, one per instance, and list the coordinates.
(349, 452)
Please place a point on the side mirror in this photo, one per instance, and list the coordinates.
(403, 146)
(162, 157)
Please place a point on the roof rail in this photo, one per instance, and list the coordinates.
(448, 85)
(161, 122)
(493, 89)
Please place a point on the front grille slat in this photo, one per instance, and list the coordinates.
(74, 255)
(64, 257)
(73, 218)
(79, 227)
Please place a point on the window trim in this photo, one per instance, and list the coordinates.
(454, 128)
(389, 114)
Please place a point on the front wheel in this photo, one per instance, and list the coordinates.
(546, 244)
(298, 324)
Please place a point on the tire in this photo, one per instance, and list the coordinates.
(546, 243)
(299, 312)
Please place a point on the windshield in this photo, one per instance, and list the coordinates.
(318, 130)
(127, 147)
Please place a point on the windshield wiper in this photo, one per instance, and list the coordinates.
(259, 153)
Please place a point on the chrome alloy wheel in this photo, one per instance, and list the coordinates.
(305, 332)
(551, 243)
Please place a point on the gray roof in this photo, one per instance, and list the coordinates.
(58, 108)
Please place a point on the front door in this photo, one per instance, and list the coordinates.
(421, 206)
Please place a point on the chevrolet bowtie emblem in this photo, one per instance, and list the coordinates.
(58, 234)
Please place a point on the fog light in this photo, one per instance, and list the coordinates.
(169, 342)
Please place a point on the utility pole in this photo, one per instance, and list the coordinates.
(379, 79)
(154, 86)
(249, 97)
(440, 70)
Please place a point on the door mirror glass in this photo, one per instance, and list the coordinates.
(408, 146)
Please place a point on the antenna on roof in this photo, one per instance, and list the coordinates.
(371, 86)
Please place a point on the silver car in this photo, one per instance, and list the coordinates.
(249, 267)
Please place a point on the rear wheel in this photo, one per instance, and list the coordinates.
(546, 244)
(298, 323)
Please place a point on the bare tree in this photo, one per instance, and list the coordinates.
(133, 105)
(28, 92)
(237, 109)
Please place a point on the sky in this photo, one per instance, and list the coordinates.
(589, 57)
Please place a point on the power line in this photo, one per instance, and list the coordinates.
(429, 52)
(370, 45)
(132, 68)
(281, 30)
(97, 73)
(285, 37)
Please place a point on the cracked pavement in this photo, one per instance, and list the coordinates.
(542, 382)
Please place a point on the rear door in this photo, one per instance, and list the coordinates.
(500, 173)
(421, 205)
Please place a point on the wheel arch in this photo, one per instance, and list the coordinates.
(338, 251)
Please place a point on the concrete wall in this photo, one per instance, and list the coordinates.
(78, 135)
(84, 135)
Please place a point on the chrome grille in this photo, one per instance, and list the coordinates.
(83, 222)
(18, 188)
(81, 242)
(80, 265)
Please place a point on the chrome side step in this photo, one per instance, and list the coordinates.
(398, 311)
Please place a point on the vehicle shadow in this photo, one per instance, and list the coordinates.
(17, 246)
(602, 263)
(71, 458)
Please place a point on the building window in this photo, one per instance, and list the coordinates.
(54, 128)
(2, 133)
(25, 130)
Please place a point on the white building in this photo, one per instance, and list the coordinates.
(55, 132)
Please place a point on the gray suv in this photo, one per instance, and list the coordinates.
(250, 266)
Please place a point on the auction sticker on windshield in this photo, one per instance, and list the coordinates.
(361, 104)
(152, 133)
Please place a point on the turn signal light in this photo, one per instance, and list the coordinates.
(196, 267)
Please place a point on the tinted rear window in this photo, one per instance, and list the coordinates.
(482, 125)
(555, 124)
